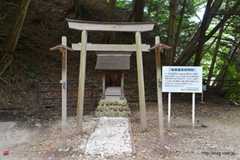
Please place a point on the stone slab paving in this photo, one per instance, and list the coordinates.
(111, 137)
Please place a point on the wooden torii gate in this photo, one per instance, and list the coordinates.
(84, 46)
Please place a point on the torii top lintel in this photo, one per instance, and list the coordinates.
(110, 26)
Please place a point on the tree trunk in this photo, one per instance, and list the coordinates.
(112, 6)
(221, 77)
(13, 37)
(15, 32)
(195, 45)
(172, 30)
(78, 8)
(112, 3)
(204, 26)
(191, 48)
(138, 10)
(214, 58)
(97, 10)
(179, 27)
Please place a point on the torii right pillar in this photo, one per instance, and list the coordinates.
(141, 89)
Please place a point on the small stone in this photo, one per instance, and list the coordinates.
(67, 149)
(167, 147)
(73, 156)
(38, 125)
(50, 158)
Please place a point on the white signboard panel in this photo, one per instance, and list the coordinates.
(181, 79)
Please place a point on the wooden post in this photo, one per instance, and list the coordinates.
(103, 85)
(159, 87)
(82, 74)
(141, 89)
(64, 83)
(122, 85)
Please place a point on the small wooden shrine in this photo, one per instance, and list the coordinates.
(112, 67)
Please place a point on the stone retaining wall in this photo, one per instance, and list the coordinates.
(50, 92)
(46, 94)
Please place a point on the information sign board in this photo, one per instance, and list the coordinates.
(182, 79)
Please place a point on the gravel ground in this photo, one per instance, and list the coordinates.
(216, 137)
(50, 142)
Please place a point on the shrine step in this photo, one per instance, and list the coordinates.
(113, 106)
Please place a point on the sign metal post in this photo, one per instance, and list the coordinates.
(193, 109)
(169, 109)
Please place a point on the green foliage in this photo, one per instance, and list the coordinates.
(124, 4)
(158, 11)
(207, 62)
(232, 84)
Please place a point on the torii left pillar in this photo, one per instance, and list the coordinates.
(141, 88)
(82, 77)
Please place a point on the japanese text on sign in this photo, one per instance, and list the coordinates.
(182, 79)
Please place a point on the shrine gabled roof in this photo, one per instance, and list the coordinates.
(113, 62)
